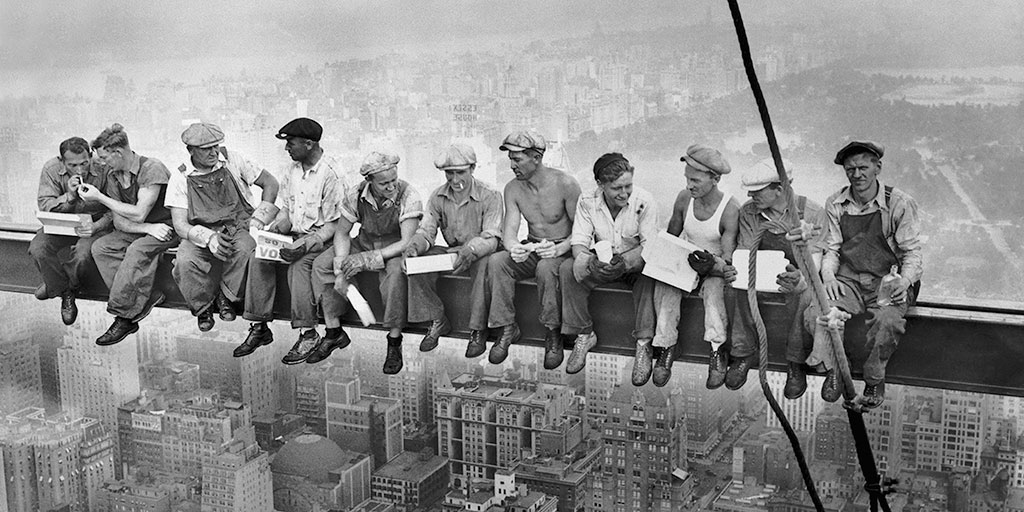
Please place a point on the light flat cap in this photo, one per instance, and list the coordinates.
(763, 174)
(378, 162)
(704, 158)
(522, 141)
(859, 146)
(202, 135)
(456, 157)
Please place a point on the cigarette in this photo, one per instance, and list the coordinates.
(459, 186)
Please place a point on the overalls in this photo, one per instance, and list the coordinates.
(378, 228)
(215, 201)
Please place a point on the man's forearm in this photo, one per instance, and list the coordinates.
(124, 210)
(130, 226)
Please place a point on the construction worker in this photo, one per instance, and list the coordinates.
(127, 257)
(212, 208)
(388, 211)
(58, 192)
(706, 217)
(623, 218)
(469, 213)
(771, 205)
(871, 228)
(312, 188)
(546, 198)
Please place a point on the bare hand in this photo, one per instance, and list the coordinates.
(899, 294)
(465, 257)
(805, 232)
(74, 183)
(85, 231)
(161, 232)
(340, 285)
(89, 193)
(337, 263)
(546, 249)
(410, 250)
(520, 253)
(255, 223)
(728, 273)
(832, 288)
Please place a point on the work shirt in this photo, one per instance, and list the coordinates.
(54, 195)
(900, 226)
(312, 197)
(410, 203)
(479, 215)
(141, 172)
(243, 170)
(635, 224)
(751, 219)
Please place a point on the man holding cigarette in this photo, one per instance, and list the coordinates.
(468, 213)
(546, 198)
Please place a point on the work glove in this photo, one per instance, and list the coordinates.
(702, 262)
(362, 261)
(300, 248)
(791, 281)
(221, 246)
(465, 257)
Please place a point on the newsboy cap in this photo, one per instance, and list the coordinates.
(378, 162)
(763, 174)
(859, 146)
(302, 127)
(704, 158)
(202, 135)
(522, 141)
(456, 157)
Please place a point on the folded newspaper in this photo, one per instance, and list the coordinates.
(665, 261)
(269, 245)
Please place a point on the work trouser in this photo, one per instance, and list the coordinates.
(128, 263)
(744, 334)
(667, 305)
(261, 288)
(62, 272)
(502, 274)
(394, 288)
(576, 317)
(201, 275)
(885, 325)
(426, 306)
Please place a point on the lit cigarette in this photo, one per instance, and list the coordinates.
(458, 186)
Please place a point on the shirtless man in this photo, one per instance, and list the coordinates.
(547, 198)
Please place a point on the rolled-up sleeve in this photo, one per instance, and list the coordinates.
(494, 211)
(429, 224)
(350, 205)
(412, 205)
(583, 224)
(907, 236)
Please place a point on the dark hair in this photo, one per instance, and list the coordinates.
(113, 137)
(76, 145)
(610, 167)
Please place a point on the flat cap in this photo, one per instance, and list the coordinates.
(456, 157)
(704, 158)
(302, 127)
(523, 140)
(763, 174)
(859, 146)
(378, 162)
(202, 135)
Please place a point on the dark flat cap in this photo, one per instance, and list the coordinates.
(859, 146)
(302, 127)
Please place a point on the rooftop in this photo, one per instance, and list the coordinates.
(411, 467)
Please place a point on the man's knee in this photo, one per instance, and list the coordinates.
(547, 269)
(500, 262)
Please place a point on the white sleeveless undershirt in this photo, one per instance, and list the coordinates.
(706, 234)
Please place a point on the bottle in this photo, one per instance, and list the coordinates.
(887, 286)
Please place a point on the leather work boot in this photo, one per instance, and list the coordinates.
(499, 350)
(225, 309)
(578, 356)
(334, 339)
(302, 348)
(554, 351)
(259, 335)
(205, 320)
(874, 395)
(477, 343)
(830, 388)
(643, 362)
(68, 308)
(718, 364)
(117, 332)
(437, 329)
(736, 375)
(663, 366)
(796, 381)
(393, 361)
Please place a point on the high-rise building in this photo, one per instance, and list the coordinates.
(238, 480)
(801, 412)
(132, 497)
(169, 375)
(309, 396)
(833, 442)
(20, 382)
(567, 478)
(412, 387)
(365, 423)
(312, 473)
(884, 427)
(603, 374)
(707, 413)
(412, 481)
(248, 379)
(963, 429)
(487, 424)
(766, 456)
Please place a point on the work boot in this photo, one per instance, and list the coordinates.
(718, 364)
(736, 375)
(155, 300)
(642, 362)
(663, 366)
(873, 396)
(205, 320)
(117, 332)
(302, 348)
(334, 339)
(499, 350)
(41, 292)
(578, 356)
(393, 362)
(477, 343)
(437, 329)
(796, 381)
(554, 351)
(68, 308)
(259, 335)
(225, 309)
(830, 388)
